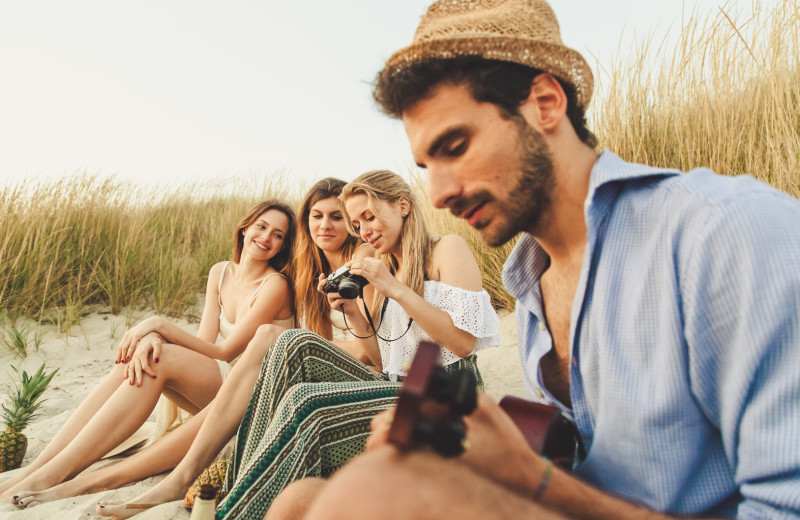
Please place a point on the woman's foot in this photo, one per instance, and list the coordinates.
(162, 493)
(32, 484)
(26, 499)
(7, 487)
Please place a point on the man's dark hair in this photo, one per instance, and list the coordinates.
(505, 84)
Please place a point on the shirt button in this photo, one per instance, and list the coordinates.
(541, 326)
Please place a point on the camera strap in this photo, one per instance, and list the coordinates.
(371, 324)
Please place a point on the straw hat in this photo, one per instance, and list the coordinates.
(518, 31)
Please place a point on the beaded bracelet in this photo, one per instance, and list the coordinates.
(548, 472)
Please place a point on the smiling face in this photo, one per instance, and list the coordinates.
(263, 239)
(326, 225)
(494, 172)
(381, 225)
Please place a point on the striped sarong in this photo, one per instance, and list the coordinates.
(309, 414)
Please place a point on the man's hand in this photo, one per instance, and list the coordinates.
(498, 450)
(495, 447)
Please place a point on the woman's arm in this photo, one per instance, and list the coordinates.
(272, 298)
(453, 264)
(208, 329)
(366, 350)
(209, 323)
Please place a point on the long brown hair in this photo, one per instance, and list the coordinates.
(282, 261)
(311, 261)
(417, 242)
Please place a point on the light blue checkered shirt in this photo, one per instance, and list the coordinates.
(685, 334)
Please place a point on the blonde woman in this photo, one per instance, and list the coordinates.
(313, 403)
(251, 290)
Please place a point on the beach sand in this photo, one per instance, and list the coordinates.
(86, 355)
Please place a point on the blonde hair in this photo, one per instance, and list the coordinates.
(417, 242)
(310, 261)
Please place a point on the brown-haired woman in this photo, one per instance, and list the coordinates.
(323, 246)
(250, 291)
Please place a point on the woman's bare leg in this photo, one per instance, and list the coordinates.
(159, 457)
(70, 429)
(224, 415)
(126, 410)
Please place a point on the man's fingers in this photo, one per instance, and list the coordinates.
(377, 439)
(382, 420)
(380, 426)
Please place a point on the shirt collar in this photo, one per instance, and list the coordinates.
(527, 260)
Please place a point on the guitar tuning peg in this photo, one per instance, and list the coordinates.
(458, 389)
(465, 392)
(449, 439)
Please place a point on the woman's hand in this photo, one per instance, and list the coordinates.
(337, 303)
(377, 274)
(149, 347)
(127, 346)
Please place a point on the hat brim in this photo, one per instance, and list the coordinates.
(558, 60)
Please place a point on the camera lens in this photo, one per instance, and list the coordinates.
(348, 289)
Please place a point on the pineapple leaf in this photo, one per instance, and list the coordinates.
(22, 407)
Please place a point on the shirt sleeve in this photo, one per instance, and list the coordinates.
(471, 311)
(741, 301)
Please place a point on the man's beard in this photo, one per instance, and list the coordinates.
(529, 199)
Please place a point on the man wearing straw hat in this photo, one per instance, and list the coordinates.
(659, 311)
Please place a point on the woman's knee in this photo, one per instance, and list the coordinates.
(290, 344)
(262, 340)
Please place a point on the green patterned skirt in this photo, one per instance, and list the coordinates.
(309, 414)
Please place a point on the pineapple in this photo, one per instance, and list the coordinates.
(213, 475)
(21, 410)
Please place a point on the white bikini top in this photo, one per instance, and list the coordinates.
(226, 326)
(340, 332)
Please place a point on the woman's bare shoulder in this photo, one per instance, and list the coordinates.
(450, 246)
(454, 263)
(216, 270)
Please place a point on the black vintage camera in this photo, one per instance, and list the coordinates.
(347, 285)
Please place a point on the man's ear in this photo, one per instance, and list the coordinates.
(546, 105)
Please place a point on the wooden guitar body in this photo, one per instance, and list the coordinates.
(433, 401)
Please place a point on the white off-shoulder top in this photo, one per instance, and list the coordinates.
(470, 311)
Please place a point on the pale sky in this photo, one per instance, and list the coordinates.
(176, 90)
